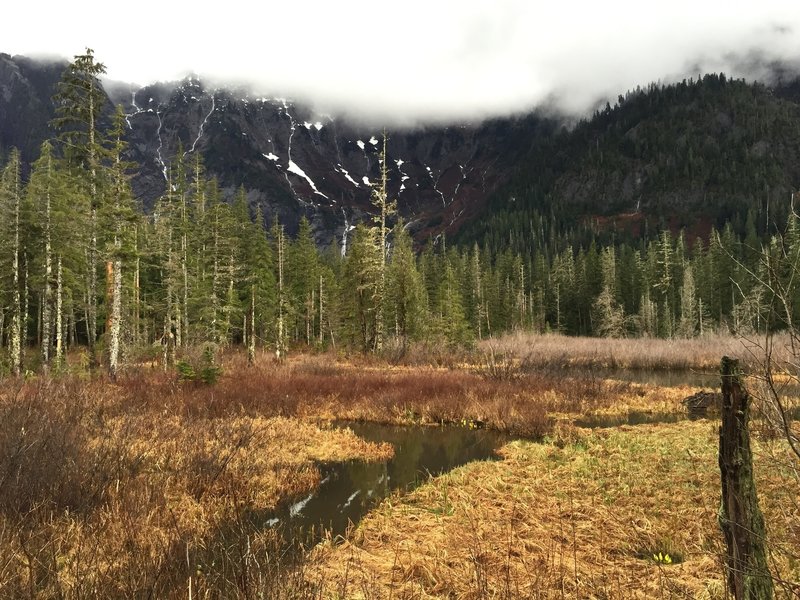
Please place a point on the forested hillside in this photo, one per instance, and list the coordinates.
(695, 154)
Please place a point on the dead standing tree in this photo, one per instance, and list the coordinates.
(740, 518)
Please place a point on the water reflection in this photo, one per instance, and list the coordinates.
(663, 378)
(632, 418)
(349, 490)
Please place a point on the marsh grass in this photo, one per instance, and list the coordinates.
(322, 387)
(579, 519)
(140, 488)
(117, 491)
(554, 351)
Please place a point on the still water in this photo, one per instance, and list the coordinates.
(350, 489)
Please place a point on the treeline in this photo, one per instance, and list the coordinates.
(83, 266)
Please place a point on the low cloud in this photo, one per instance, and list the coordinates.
(422, 60)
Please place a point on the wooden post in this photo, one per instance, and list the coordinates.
(740, 518)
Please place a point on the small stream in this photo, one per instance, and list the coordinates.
(632, 418)
(663, 377)
(350, 489)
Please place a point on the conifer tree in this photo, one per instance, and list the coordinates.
(451, 319)
(303, 280)
(609, 316)
(386, 208)
(10, 201)
(361, 278)
(41, 190)
(404, 288)
(280, 252)
(118, 215)
(79, 103)
(689, 306)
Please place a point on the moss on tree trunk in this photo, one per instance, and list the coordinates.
(740, 517)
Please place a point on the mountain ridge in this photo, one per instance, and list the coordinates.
(292, 161)
(669, 153)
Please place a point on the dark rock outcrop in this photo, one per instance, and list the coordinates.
(291, 160)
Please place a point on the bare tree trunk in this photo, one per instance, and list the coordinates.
(115, 324)
(321, 307)
(310, 302)
(25, 308)
(47, 328)
(136, 294)
(16, 307)
(229, 301)
(381, 201)
(91, 290)
(185, 271)
(740, 518)
(109, 293)
(93, 253)
(59, 313)
(215, 282)
(280, 349)
(251, 340)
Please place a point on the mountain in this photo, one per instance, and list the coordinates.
(692, 154)
(26, 86)
(291, 160)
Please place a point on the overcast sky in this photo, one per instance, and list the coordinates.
(414, 59)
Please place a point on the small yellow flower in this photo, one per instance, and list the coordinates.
(663, 559)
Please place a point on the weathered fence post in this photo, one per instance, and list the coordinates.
(739, 516)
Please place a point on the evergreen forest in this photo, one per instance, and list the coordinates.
(83, 266)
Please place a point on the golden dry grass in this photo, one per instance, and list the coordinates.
(577, 518)
(144, 487)
(521, 403)
(701, 353)
(107, 494)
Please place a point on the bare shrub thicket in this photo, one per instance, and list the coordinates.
(135, 490)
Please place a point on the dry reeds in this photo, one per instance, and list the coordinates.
(584, 518)
(117, 491)
(142, 487)
(558, 351)
(319, 387)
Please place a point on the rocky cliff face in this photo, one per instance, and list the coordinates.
(290, 160)
(25, 107)
(293, 161)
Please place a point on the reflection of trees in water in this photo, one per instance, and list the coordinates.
(423, 450)
(351, 489)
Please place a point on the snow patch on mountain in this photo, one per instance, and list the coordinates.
(293, 168)
(202, 126)
(344, 172)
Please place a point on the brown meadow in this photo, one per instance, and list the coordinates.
(152, 487)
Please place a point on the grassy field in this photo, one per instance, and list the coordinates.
(123, 490)
(583, 516)
(154, 487)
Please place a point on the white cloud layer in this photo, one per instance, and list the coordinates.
(415, 59)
